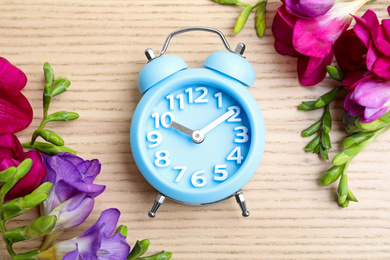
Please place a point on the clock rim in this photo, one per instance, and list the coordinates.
(209, 78)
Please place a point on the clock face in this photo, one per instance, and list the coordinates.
(196, 137)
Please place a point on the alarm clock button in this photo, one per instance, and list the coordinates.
(232, 65)
(159, 69)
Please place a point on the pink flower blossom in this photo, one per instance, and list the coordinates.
(15, 110)
(311, 32)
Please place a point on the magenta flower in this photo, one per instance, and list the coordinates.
(12, 154)
(72, 197)
(15, 110)
(376, 37)
(370, 99)
(308, 30)
(98, 242)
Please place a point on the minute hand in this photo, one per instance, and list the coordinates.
(216, 122)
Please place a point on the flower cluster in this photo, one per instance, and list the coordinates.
(308, 29)
(363, 58)
(52, 176)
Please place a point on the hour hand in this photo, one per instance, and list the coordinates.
(196, 135)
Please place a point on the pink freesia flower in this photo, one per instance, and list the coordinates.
(12, 154)
(15, 110)
(311, 32)
(370, 99)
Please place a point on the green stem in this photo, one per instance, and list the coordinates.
(239, 3)
(258, 3)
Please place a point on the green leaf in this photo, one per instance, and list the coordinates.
(335, 73)
(7, 174)
(226, 2)
(48, 71)
(139, 249)
(41, 226)
(260, 19)
(311, 129)
(62, 116)
(16, 235)
(242, 18)
(159, 256)
(357, 138)
(49, 136)
(325, 140)
(313, 144)
(31, 255)
(307, 106)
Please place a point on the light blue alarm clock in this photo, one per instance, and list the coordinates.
(197, 135)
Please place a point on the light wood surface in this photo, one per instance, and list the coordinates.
(99, 45)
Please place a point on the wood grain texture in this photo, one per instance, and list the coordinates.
(99, 46)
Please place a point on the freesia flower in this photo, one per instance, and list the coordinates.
(72, 197)
(12, 154)
(15, 110)
(364, 51)
(98, 242)
(370, 99)
(308, 30)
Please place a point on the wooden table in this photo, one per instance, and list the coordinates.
(99, 45)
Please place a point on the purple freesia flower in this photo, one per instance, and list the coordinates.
(370, 99)
(98, 242)
(308, 30)
(72, 197)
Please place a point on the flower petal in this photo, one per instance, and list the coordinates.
(106, 223)
(72, 212)
(11, 76)
(381, 67)
(73, 255)
(372, 114)
(65, 190)
(352, 107)
(374, 93)
(113, 248)
(10, 147)
(312, 70)
(309, 8)
(15, 110)
(89, 170)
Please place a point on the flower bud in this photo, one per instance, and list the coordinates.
(139, 249)
(332, 175)
(351, 197)
(45, 187)
(327, 121)
(370, 126)
(343, 189)
(21, 170)
(328, 97)
(31, 255)
(16, 234)
(122, 230)
(7, 174)
(62, 116)
(51, 148)
(323, 153)
(241, 20)
(307, 106)
(61, 87)
(347, 154)
(41, 226)
(335, 73)
(48, 71)
(260, 19)
(48, 136)
(325, 140)
(159, 256)
(312, 129)
(357, 138)
(313, 144)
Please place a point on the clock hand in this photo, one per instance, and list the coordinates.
(196, 135)
(217, 121)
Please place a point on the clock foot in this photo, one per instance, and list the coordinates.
(241, 202)
(156, 205)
